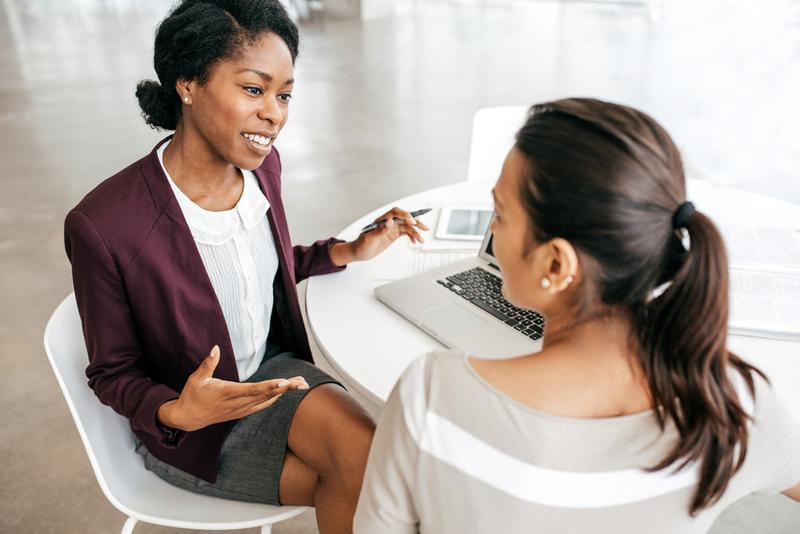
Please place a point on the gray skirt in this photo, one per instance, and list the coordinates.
(251, 460)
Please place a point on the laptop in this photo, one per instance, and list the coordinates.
(461, 306)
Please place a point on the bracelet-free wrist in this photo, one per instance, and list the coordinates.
(342, 253)
(166, 414)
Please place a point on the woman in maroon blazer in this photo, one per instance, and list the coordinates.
(160, 304)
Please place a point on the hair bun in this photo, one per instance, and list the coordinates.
(158, 107)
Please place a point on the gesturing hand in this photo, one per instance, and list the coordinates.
(206, 400)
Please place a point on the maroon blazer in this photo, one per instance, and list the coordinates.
(149, 311)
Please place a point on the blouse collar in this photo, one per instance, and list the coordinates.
(218, 227)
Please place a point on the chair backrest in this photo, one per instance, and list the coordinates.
(493, 131)
(105, 434)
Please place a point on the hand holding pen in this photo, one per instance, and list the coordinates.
(379, 235)
(398, 219)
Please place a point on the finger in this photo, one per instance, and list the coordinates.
(403, 217)
(403, 214)
(400, 214)
(397, 212)
(390, 230)
(413, 235)
(238, 392)
(298, 382)
(403, 223)
(282, 385)
(206, 369)
(245, 403)
(411, 221)
(259, 406)
(268, 388)
(391, 214)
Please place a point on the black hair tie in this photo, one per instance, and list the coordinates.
(681, 215)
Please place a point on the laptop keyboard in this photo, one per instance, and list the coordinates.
(482, 289)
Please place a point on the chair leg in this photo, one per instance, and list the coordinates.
(127, 528)
(266, 529)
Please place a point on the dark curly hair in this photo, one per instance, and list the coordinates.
(197, 34)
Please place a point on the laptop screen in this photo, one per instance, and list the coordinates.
(486, 249)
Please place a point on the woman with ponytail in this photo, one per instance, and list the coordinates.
(634, 417)
(185, 278)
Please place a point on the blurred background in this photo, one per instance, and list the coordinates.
(382, 108)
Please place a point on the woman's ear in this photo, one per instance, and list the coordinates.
(564, 267)
(185, 89)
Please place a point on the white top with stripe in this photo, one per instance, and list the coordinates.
(454, 454)
(239, 254)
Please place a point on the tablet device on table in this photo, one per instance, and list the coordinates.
(463, 223)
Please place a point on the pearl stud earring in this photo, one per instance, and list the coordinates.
(186, 99)
(545, 283)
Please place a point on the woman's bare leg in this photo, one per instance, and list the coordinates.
(298, 482)
(328, 446)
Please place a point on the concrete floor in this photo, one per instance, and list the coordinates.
(381, 109)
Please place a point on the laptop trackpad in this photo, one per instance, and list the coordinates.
(451, 318)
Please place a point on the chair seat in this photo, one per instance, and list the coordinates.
(148, 498)
(119, 470)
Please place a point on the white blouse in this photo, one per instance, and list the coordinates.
(239, 254)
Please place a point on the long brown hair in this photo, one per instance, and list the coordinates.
(608, 179)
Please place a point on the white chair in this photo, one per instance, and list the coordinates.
(493, 131)
(134, 491)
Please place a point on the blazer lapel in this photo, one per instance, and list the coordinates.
(199, 303)
(279, 230)
(287, 306)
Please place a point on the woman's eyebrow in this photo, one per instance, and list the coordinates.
(266, 76)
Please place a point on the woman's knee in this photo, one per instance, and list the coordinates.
(331, 431)
(350, 441)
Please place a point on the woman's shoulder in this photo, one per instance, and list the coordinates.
(434, 362)
(768, 407)
(111, 188)
(429, 370)
(122, 207)
(129, 185)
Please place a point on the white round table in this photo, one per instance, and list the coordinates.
(370, 345)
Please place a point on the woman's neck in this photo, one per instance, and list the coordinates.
(201, 172)
(612, 331)
(587, 370)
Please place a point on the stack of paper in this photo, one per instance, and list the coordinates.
(764, 281)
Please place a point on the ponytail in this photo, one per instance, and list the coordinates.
(681, 337)
(608, 179)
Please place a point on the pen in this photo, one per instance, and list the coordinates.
(372, 226)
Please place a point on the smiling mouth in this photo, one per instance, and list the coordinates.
(259, 141)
